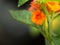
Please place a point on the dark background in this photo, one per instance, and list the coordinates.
(13, 32)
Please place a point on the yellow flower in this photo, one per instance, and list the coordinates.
(55, 6)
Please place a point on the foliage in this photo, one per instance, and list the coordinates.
(21, 2)
(49, 27)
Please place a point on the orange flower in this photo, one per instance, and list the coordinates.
(55, 6)
(38, 17)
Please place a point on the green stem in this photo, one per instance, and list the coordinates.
(49, 19)
(51, 43)
(45, 29)
(50, 31)
(50, 26)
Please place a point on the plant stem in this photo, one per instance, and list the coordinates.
(50, 27)
(51, 43)
(49, 19)
(50, 31)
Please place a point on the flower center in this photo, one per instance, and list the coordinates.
(38, 16)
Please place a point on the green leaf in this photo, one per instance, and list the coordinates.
(23, 16)
(57, 25)
(56, 15)
(21, 2)
(56, 40)
(34, 31)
